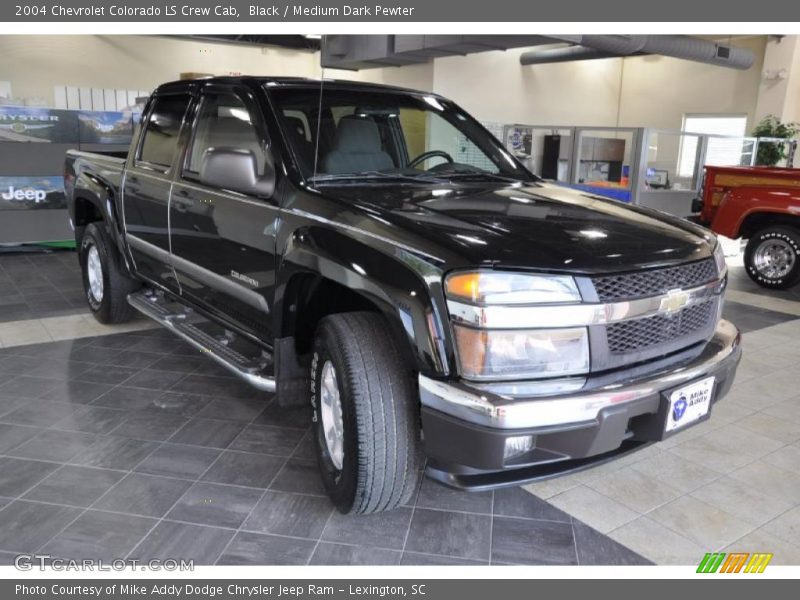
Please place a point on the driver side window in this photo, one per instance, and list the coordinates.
(426, 131)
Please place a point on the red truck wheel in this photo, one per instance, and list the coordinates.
(772, 257)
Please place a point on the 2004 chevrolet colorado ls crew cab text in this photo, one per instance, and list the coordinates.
(375, 252)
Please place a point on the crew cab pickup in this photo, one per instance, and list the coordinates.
(375, 255)
(761, 205)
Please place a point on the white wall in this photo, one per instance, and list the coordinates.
(647, 91)
(639, 91)
(35, 64)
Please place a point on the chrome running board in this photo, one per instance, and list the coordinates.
(185, 323)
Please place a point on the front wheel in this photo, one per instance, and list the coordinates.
(365, 415)
(772, 257)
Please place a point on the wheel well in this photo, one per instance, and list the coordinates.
(311, 298)
(85, 212)
(759, 221)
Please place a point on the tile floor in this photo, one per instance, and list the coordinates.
(130, 444)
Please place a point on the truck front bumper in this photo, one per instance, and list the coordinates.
(467, 429)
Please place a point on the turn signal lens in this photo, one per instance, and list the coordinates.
(491, 287)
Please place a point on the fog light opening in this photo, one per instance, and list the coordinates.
(518, 445)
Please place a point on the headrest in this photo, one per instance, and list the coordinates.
(357, 134)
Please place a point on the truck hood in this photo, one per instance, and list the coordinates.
(541, 226)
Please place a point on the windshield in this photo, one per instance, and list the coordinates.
(378, 134)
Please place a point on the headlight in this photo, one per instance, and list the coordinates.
(719, 258)
(493, 354)
(492, 287)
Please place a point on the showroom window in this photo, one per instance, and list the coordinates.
(720, 151)
(162, 130)
(225, 122)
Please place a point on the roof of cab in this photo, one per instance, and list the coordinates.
(185, 84)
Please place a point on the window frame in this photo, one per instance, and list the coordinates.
(256, 119)
(141, 163)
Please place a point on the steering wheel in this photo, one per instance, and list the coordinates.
(429, 154)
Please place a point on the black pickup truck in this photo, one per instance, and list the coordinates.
(377, 253)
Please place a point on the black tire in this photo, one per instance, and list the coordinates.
(113, 305)
(789, 239)
(381, 465)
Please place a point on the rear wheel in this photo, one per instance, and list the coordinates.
(365, 419)
(772, 257)
(106, 284)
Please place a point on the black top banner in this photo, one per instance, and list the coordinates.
(398, 11)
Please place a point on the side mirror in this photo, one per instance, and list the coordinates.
(235, 169)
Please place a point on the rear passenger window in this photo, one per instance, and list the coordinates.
(225, 122)
(162, 129)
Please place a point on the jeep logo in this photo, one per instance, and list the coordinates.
(15, 194)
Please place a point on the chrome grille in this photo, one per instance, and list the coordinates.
(611, 288)
(640, 334)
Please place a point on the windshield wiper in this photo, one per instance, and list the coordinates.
(367, 175)
(480, 174)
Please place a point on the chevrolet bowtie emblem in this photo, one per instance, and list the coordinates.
(674, 301)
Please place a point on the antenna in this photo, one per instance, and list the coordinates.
(319, 107)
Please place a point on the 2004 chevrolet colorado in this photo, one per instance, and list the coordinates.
(375, 252)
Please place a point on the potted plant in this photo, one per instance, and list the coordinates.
(771, 153)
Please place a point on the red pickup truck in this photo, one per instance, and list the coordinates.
(762, 205)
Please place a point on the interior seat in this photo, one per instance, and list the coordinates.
(356, 148)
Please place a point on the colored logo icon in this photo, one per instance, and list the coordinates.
(734, 562)
(679, 409)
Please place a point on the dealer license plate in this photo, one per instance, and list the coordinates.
(689, 404)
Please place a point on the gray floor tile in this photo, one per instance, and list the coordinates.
(97, 534)
(108, 374)
(12, 436)
(305, 449)
(145, 495)
(181, 541)
(339, 554)
(451, 534)
(516, 502)
(58, 446)
(278, 441)
(115, 453)
(435, 495)
(18, 475)
(93, 419)
(28, 386)
(214, 504)
(294, 515)
(522, 541)
(178, 460)
(242, 468)
(297, 417)
(134, 359)
(435, 560)
(25, 526)
(78, 392)
(154, 380)
(180, 364)
(221, 387)
(185, 405)
(126, 398)
(40, 413)
(259, 549)
(383, 530)
(74, 486)
(594, 548)
(207, 432)
(145, 425)
(233, 409)
(301, 476)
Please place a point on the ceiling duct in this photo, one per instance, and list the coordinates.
(586, 47)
